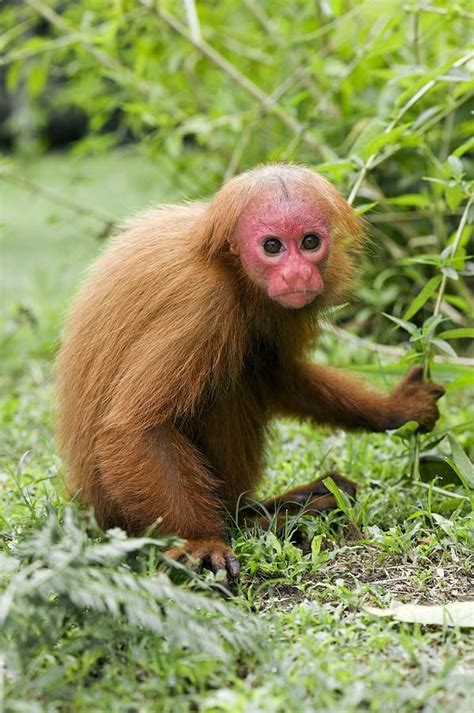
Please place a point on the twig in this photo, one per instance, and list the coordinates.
(193, 20)
(109, 62)
(267, 103)
(361, 52)
(244, 138)
(50, 46)
(405, 216)
(405, 108)
(271, 30)
(344, 335)
(416, 37)
(57, 197)
(457, 240)
(321, 31)
(428, 486)
(431, 10)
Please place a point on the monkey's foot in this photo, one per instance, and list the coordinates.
(303, 493)
(212, 553)
(310, 499)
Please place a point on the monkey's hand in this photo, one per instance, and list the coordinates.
(415, 400)
(212, 553)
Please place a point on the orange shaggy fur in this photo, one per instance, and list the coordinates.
(173, 363)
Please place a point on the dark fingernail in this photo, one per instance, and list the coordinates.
(233, 565)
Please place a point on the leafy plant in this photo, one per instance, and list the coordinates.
(62, 579)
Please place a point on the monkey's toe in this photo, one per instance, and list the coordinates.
(212, 553)
(318, 488)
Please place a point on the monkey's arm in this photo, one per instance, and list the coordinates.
(330, 396)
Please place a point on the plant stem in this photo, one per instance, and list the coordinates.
(428, 355)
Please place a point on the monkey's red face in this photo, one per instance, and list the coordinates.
(283, 244)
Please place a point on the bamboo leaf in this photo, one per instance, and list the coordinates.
(461, 461)
(403, 323)
(428, 291)
(460, 614)
(458, 333)
(444, 347)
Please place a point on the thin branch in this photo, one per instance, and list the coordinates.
(441, 491)
(456, 242)
(398, 352)
(244, 138)
(50, 46)
(416, 37)
(404, 216)
(405, 108)
(105, 59)
(272, 31)
(431, 10)
(193, 20)
(321, 31)
(267, 103)
(56, 197)
(375, 33)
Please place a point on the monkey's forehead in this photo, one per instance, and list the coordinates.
(279, 212)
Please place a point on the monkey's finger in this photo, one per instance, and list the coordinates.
(320, 504)
(437, 390)
(415, 374)
(178, 554)
(215, 562)
(233, 566)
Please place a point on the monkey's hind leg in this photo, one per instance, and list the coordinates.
(159, 478)
(309, 499)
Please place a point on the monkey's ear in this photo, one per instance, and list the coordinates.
(222, 215)
(347, 226)
(234, 247)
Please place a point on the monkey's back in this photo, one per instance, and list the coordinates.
(137, 280)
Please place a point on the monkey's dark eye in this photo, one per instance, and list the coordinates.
(311, 242)
(273, 246)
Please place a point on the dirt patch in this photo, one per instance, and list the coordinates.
(442, 578)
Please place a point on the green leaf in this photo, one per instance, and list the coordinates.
(405, 431)
(432, 323)
(464, 147)
(457, 169)
(461, 461)
(371, 131)
(365, 208)
(387, 138)
(459, 333)
(428, 290)
(434, 467)
(404, 324)
(416, 200)
(461, 382)
(444, 347)
(454, 195)
(450, 272)
(342, 501)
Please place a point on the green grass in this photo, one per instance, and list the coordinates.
(86, 628)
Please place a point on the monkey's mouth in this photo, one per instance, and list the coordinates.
(297, 298)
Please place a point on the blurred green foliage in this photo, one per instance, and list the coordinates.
(373, 94)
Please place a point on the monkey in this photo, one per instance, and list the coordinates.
(190, 334)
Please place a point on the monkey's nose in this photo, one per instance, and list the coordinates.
(305, 272)
(301, 274)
